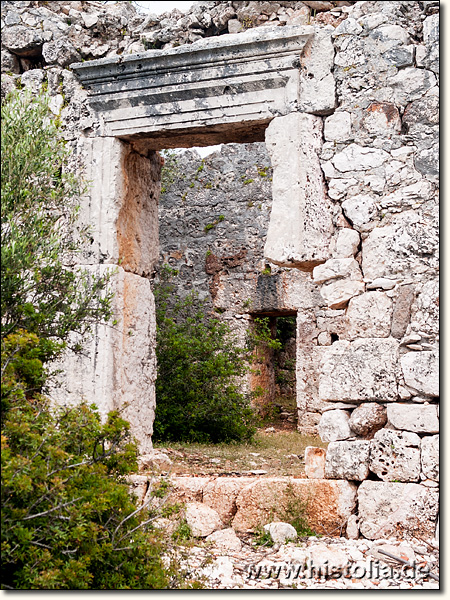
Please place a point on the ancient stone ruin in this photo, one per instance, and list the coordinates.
(328, 187)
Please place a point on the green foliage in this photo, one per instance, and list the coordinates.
(39, 293)
(183, 532)
(260, 336)
(262, 537)
(198, 398)
(210, 226)
(170, 170)
(68, 520)
(295, 513)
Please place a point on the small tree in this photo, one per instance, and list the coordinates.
(198, 392)
(68, 520)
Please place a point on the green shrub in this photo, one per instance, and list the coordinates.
(198, 396)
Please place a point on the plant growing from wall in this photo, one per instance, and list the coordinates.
(198, 396)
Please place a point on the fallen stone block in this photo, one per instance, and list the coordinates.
(281, 532)
(201, 519)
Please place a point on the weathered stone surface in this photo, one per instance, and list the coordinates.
(430, 456)
(317, 85)
(60, 52)
(414, 417)
(154, 461)
(225, 539)
(396, 510)
(402, 551)
(421, 371)
(122, 204)
(369, 315)
(367, 419)
(8, 85)
(359, 209)
(261, 92)
(359, 158)
(315, 462)
(411, 84)
(324, 555)
(382, 119)
(24, 41)
(431, 39)
(338, 127)
(402, 311)
(347, 460)
(425, 310)
(118, 364)
(281, 532)
(201, 519)
(352, 529)
(10, 62)
(32, 80)
(406, 246)
(294, 142)
(188, 489)
(360, 370)
(347, 243)
(333, 426)
(342, 278)
(395, 456)
(329, 503)
(221, 493)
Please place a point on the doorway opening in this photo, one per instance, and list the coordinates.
(273, 374)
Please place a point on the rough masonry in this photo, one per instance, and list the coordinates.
(346, 99)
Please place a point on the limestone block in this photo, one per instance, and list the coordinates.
(401, 314)
(8, 85)
(414, 417)
(118, 364)
(421, 371)
(395, 455)
(410, 84)
(89, 19)
(300, 225)
(382, 119)
(315, 462)
(201, 519)
(154, 461)
(24, 41)
(328, 503)
(353, 527)
(10, 62)
(397, 510)
(121, 206)
(225, 539)
(363, 370)
(406, 246)
(359, 209)
(348, 27)
(333, 426)
(368, 418)
(347, 243)
(430, 456)
(425, 310)
(338, 188)
(338, 127)
(188, 489)
(281, 532)
(431, 39)
(337, 268)
(347, 460)
(409, 196)
(221, 493)
(424, 111)
(391, 33)
(359, 158)
(369, 315)
(60, 52)
(33, 80)
(317, 85)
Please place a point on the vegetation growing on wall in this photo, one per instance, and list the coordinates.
(67, 519)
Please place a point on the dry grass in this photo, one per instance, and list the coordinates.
(279, 453)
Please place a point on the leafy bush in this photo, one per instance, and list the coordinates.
(198, 395)
(68, 520)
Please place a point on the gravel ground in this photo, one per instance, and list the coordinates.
(282, 566)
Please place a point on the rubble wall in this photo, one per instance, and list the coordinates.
(367, 309)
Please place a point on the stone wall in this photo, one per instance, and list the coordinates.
(362, 273)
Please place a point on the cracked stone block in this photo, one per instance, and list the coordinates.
(334, 426)
(347, 460)
(395, 455)
(369, 315)
(398, 510)
(430, 456)
(367, 419)
(421, 372)
(414, 417)
(362, 370)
